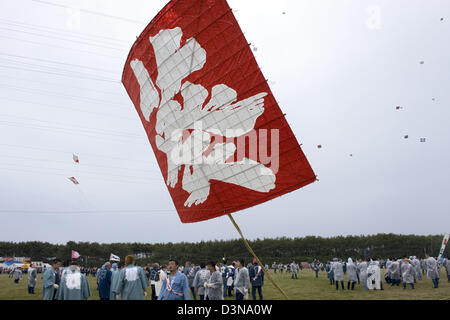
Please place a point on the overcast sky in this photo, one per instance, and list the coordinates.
(337, 68)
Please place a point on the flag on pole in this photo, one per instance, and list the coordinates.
(75, 255)
(113, 257)
(444, 244)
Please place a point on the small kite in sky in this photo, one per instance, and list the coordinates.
(422, 62)
(75, 158)
(398, 108)
(423, 140)
(319, 146)
(406, 137)
(75, 181)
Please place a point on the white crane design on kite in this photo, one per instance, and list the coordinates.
(177, 126)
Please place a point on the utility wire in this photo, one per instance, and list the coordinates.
(60, 74)
(109, 157)
(122, 49)
(57, 62)
(69, 132)
(63, 107)
(70, 33)
(91, 12)
(66, 125)
(84, 163)
(61, 47)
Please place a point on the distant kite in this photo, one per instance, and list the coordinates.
(423, 140)
(319, 146)
(75, 158)
(75, 181)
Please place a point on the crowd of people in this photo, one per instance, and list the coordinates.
(401, 270)
(127, 281)
(215, 281)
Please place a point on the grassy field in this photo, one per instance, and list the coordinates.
(307, 287)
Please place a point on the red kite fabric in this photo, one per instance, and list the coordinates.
(221, 141)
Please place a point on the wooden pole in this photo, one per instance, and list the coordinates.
(254, 255)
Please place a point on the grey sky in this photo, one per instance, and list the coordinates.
(336, 70)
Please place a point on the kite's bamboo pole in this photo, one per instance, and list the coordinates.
(254, 255)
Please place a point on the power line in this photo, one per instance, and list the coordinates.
(59, 69)
(121, 49)
(69, 108)
(60, 74)
(112, 212)
(62, 130)
(77, 34)
(66, 126)
(91, 12)
(71, 36)
(85, 164)
(55, 171)
(70, 152)
(57, 62)
(61, 47)
(53, 84)
(65, 175)
(97, 102)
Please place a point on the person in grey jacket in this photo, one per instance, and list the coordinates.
(362, 267)
(423, 266)
(416, 264)
(446, 264)
(32, 279)
(433, 271)
(242, 280)
(394, 271)
(351, 274)
(338, 270)
(407, 273)
(201, 277)
(17, 275)
(214, 285)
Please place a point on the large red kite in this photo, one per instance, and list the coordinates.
(221, 141)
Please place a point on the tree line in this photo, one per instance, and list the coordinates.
(278, 250)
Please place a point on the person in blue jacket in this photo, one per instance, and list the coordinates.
(256, 274)
(104, 281)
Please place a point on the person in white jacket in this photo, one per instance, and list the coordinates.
(160, 277)
(242, 280)
(214, 285)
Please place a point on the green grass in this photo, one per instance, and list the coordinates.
(307, 287)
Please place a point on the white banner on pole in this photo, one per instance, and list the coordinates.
(113, 257)
(444, 244)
